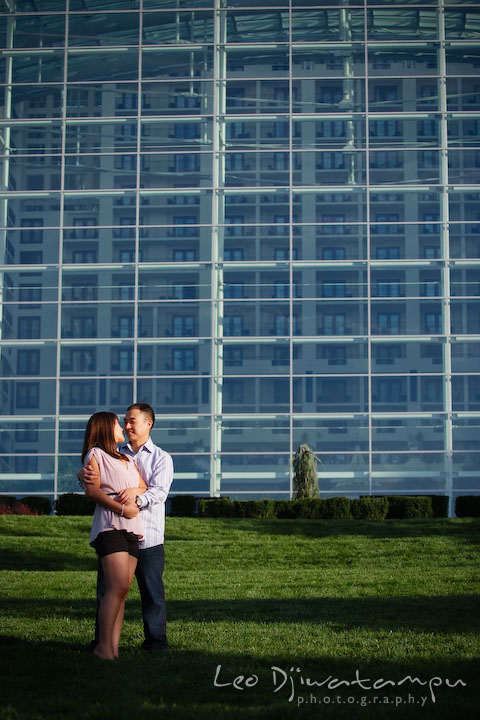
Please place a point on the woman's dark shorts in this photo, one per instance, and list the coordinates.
(113, 541)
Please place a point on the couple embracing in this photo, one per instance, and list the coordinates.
(129, 482)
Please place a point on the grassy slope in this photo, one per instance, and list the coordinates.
(389, 599)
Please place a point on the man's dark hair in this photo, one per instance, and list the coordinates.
(145, 408)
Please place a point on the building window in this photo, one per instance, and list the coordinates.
(388, 323)
(390, 390)
(125, 325)
(388, 288)
(33, 234)
(122, 359)
(26, 432)
(186, 131)
(387, 354)
(433, 323)
(28, 362)
(284, 253)
(385, 128)
(127, 256)
(30, 294)
(281, 355)
(233, 392)
(26, 463)
(233, 254)
(182, 223)
(334, 324)
(84, 256)
(234, 225)
(28, 395)
(235, 97)
(333, 253)
(184, 255)
(184, 292)
(331, 161)
(83, 291)
(282, 325)
(183, 393)
(184, 359)
(388, 253)
(233, 325)
(334, 289)
(331, 95)
(126, 291)
(334, 354)
(431, 251)
(83, 327)
(336, 229)
(385, 93)
(428, 159)
(29, 327)
(186, 163)
(183, 326)
(81, 393)
(31, 257)
(233, 290)
(81, 361)
(432, 390)
(333, 391)
(331, 129)
(430, 223)
(236, 131)
(234, 161)
(233, 356)
(382, 159)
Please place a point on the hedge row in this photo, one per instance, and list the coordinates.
(363, 508)
(35, 503)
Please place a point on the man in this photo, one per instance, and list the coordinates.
(156, 468)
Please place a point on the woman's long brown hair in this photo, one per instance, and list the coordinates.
(100, 433)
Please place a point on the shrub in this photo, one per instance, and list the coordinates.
(369, 508)
(42, 505)
(467, 506)
(8, 500)
(409, 506)
(183, 505)
(17, 508)
(305, 480)
(254, 508)
(439, 505)
(285, 509)
(21, 509)
(216, 507)
(338, 508)
(74, 504)
(311, 508)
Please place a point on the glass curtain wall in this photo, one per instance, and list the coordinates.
(263, 218)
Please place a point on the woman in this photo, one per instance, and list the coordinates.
(116, 528)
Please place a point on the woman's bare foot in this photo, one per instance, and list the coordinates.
(104, 655)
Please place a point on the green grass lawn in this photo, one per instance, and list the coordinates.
(285, 604)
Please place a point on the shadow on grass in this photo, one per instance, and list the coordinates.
(56, 681)
(465, 530)
(46, 559)
(445, 614)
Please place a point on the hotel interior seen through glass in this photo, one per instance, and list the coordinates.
(263, 218)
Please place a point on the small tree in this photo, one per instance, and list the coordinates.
(305, 480)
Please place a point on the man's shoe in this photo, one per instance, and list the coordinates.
(155, 648)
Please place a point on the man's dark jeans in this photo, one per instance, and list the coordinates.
(149, 574)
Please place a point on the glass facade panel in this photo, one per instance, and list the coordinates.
(261, 218)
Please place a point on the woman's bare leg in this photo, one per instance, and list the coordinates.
(117, 629)
(118, 577)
